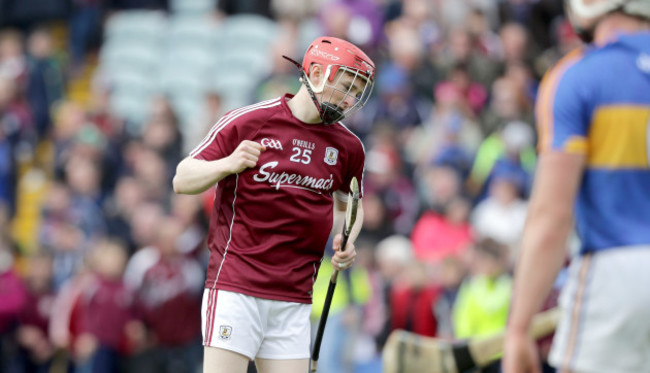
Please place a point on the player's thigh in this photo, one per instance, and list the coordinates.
(282, 366)
(231, 321)
(604, 325)
(287, 330)
(218, 360)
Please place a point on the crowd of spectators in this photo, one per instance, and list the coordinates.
(115, 278)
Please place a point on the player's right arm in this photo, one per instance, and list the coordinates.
(561, 109)
(194, 176)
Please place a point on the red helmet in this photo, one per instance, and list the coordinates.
(335, 54)
(338, 52)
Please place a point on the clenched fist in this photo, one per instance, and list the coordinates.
(245, 156)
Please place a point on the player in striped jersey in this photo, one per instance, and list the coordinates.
(593, 115)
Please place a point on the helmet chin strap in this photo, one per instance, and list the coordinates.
(327, 112)
(330, 113)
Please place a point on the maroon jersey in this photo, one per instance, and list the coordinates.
(168, 294)
(270, 223)
(105, 307)
(13, 296)
(37, 311)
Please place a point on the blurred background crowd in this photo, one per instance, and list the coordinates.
(102, 265)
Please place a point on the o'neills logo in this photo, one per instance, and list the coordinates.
(285, 180)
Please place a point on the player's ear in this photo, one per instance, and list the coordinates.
(316, 74)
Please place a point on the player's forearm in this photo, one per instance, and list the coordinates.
(356, 228)
(542, 256)
(549, 221)
(337, 221)
(339, 218)
(194, 176)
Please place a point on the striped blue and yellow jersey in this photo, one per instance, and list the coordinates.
(596, 102)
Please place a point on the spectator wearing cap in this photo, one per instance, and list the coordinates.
(453, 155)
(397, 104)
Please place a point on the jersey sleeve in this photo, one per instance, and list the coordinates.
(561, 112)
(220, 142)
(356, 166)
(224, 137)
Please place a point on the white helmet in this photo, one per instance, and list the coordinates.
(585, 14)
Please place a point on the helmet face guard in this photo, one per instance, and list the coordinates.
(348, 77)
(349, 92)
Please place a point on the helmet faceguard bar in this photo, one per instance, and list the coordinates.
(341, 92)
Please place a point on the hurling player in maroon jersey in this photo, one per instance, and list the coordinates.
(283, 169)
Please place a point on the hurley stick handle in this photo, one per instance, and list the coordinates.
(348, 223)
(485, 350)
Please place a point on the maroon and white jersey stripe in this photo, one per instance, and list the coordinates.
(270, 224)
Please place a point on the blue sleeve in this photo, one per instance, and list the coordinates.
(561, 113)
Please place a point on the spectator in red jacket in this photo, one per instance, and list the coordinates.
(436, 236)
(412, 301)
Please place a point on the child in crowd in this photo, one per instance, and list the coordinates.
(483, 300)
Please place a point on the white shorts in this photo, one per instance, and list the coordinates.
(255, 327)
(605, 323)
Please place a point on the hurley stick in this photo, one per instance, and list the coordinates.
(407, 352)
(350, 218)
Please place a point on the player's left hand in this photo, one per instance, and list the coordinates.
(342, 259)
